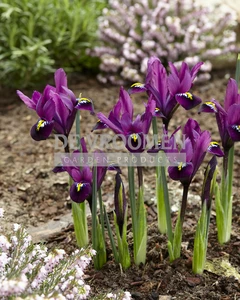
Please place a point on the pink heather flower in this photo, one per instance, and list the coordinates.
(167, 29)
(83, 261)
(4, 260)
(13, 287)
(14, 240)
(111, 296)
(4, 243)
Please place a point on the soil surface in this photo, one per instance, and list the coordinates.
(33, 195)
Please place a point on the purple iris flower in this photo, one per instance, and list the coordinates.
(197, 143)
(81, 188)
(120, 120)
(56, 108)
(169, 91)
(191, 132)
(228, 116)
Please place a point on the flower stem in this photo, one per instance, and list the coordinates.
(138, 213)
(166, 204)
(184, 202)
(97, 229)
(161, 187)
(79, 209)
(224, 211)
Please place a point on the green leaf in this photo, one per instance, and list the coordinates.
(80, 224)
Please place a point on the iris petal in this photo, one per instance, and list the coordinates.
(41, 130)
(136, 87)
(85, 104)
(79, 192)
(181, 172)
(135, 142)
(208, 107)
(214, 148)
(187, 100)
(234, 132)
(99, 125)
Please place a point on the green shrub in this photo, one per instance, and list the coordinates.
(38, 36)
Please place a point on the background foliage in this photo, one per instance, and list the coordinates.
(38, 36)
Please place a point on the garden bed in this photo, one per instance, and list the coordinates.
(32, 195)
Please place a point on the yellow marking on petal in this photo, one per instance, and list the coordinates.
(237, 127)
(186, 95)
(99, 121)
(79, 186)
(180, 166)
(134, 136)
(157, 109)
(211, 105)
(84, 100)
(137, 84)
(214, 144)
(189, 96)
(40, 124)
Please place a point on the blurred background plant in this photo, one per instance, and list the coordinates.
(38, 36)
(134, 30)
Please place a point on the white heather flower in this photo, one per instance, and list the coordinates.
(207, 66)
(127, 296)
(1, 212)
(93, 252)
(13, 287)
(144, 65)
(16, 227)
(111, 296)
(79, 272)
(14, 240)
(4, 243)
(4, 260)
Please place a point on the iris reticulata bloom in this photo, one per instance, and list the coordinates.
(197, 143)
(56, 108)
(81, 188)
(120, 120)
(169, 91)
(228, 116)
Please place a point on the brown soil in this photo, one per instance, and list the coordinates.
(32, 195)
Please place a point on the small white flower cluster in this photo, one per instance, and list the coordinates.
(31, 272)
(131, 31)
(119, 296)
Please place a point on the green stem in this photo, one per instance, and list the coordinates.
(140, 176)
(230, 171)
(161, 184)
(101, 212)
(167, 204)
(132, 197)
(94, 209)
(97, 233)
(78, 127)
(114, 248)
(80, 224)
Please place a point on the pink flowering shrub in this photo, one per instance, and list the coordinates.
(29, 271)
(133, 30)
